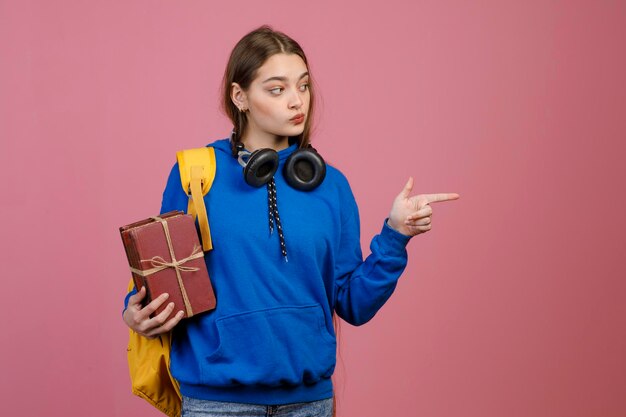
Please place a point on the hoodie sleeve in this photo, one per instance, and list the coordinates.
(363, 287)
(174, 198)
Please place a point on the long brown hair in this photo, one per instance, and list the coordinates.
(336, 325)
(248, 55)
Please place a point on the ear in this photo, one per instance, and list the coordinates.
(238, 96)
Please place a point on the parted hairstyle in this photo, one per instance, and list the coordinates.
(248, 55)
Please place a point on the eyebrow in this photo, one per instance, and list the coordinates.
(284, 79)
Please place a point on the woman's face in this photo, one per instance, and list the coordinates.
(279, 93)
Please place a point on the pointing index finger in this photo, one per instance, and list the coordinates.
(434, 198)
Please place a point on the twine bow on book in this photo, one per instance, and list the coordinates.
(159, 264)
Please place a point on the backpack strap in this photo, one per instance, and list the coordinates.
(197, 172)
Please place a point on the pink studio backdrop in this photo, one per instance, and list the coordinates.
(513, 305)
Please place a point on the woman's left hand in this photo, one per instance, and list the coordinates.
(412, 215)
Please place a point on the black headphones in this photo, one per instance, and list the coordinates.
(304, 170)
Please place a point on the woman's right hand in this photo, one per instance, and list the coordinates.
(138, 318)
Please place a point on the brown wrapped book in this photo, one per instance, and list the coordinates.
(165, 255)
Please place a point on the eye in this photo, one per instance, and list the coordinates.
(304, 87)
(276, 91)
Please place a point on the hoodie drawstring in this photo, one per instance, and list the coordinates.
(272, 204)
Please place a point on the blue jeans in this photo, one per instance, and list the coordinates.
(193, 407)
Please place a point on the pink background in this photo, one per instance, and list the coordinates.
(513, 305)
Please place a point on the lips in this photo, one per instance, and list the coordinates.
(298, 118)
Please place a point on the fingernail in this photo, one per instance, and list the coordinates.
(165, 295)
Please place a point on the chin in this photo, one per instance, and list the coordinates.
(297, 130)
(289, 132)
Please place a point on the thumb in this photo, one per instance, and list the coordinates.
(408, 187)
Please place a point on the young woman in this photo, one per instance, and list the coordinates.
(286, 255)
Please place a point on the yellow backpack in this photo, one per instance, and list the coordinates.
(149, 359)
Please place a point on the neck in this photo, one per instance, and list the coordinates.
(252, 143)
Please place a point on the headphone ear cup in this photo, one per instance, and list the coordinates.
(261, 167)
(305, 169)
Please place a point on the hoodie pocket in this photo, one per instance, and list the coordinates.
(271, 347)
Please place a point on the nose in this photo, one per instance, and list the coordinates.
(295, 101)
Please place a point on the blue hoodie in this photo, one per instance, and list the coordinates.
(271, 338)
